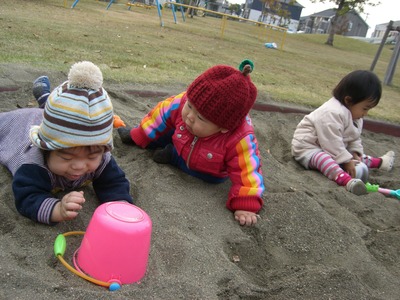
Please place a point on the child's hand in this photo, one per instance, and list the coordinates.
(68, 207)
(356, 156)
(350, 167)
(246, 217)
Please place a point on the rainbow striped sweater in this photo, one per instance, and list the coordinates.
(233, 154)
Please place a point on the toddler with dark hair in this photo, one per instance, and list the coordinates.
(329, 138)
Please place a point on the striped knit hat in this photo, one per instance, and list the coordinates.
(77, 113)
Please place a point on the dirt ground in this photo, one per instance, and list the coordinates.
(315, 240)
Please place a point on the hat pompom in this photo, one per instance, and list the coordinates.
(85, 75)
(78, 112)
(246, 67)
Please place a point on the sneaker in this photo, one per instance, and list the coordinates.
(164, 156)
(41, 90)
(125, 135)
(387, 161)
(357, 187)
(362, 172)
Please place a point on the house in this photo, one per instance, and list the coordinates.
(380, 30)
(350, 24)
(284, 13)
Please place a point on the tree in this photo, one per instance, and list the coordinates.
(343, 7)
(266, 7)
(235, 8)
(284, 13)
(275, 7)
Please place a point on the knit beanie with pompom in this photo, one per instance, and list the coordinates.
(223, 94)
(77, 113)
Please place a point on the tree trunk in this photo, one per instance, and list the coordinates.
(332, 28)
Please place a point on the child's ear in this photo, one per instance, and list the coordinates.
(347, 101)
(223, 130)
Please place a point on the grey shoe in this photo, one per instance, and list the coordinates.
(164, 156)
(125, 135)
(362, 172)
(357, 187)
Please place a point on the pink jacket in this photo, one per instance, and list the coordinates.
(234, 154)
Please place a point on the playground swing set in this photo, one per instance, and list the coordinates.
(276, 32)
(199, 10)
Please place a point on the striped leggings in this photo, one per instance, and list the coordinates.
(324, 163)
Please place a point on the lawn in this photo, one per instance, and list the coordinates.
(131, 46)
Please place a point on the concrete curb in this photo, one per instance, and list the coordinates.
(371, 125)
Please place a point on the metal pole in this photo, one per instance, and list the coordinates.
(109, 4)
(159, 14)
(378, 53)
(173, 11)
(392, 63)
(75, 3)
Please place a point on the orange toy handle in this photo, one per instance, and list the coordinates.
(118, 122)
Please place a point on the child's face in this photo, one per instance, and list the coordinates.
(196, 124)
(360, 110)
(73, 163)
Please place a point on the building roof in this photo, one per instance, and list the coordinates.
(325, 13)
(331, 12)
(395, 24)
(294, 4)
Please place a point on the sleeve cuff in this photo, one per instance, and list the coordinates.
(250, 203)
(45, 210)
(139, 137)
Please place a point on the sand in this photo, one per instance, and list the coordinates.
(314, 239)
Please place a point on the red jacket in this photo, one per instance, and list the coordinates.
(234, 154)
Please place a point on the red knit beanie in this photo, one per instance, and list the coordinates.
(224, 95)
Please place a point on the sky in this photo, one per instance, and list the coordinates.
(384, 12)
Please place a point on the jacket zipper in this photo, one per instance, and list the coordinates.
(191, 150)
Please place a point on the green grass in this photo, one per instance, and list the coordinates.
(47, 35)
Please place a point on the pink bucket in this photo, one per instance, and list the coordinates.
(115, 247)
